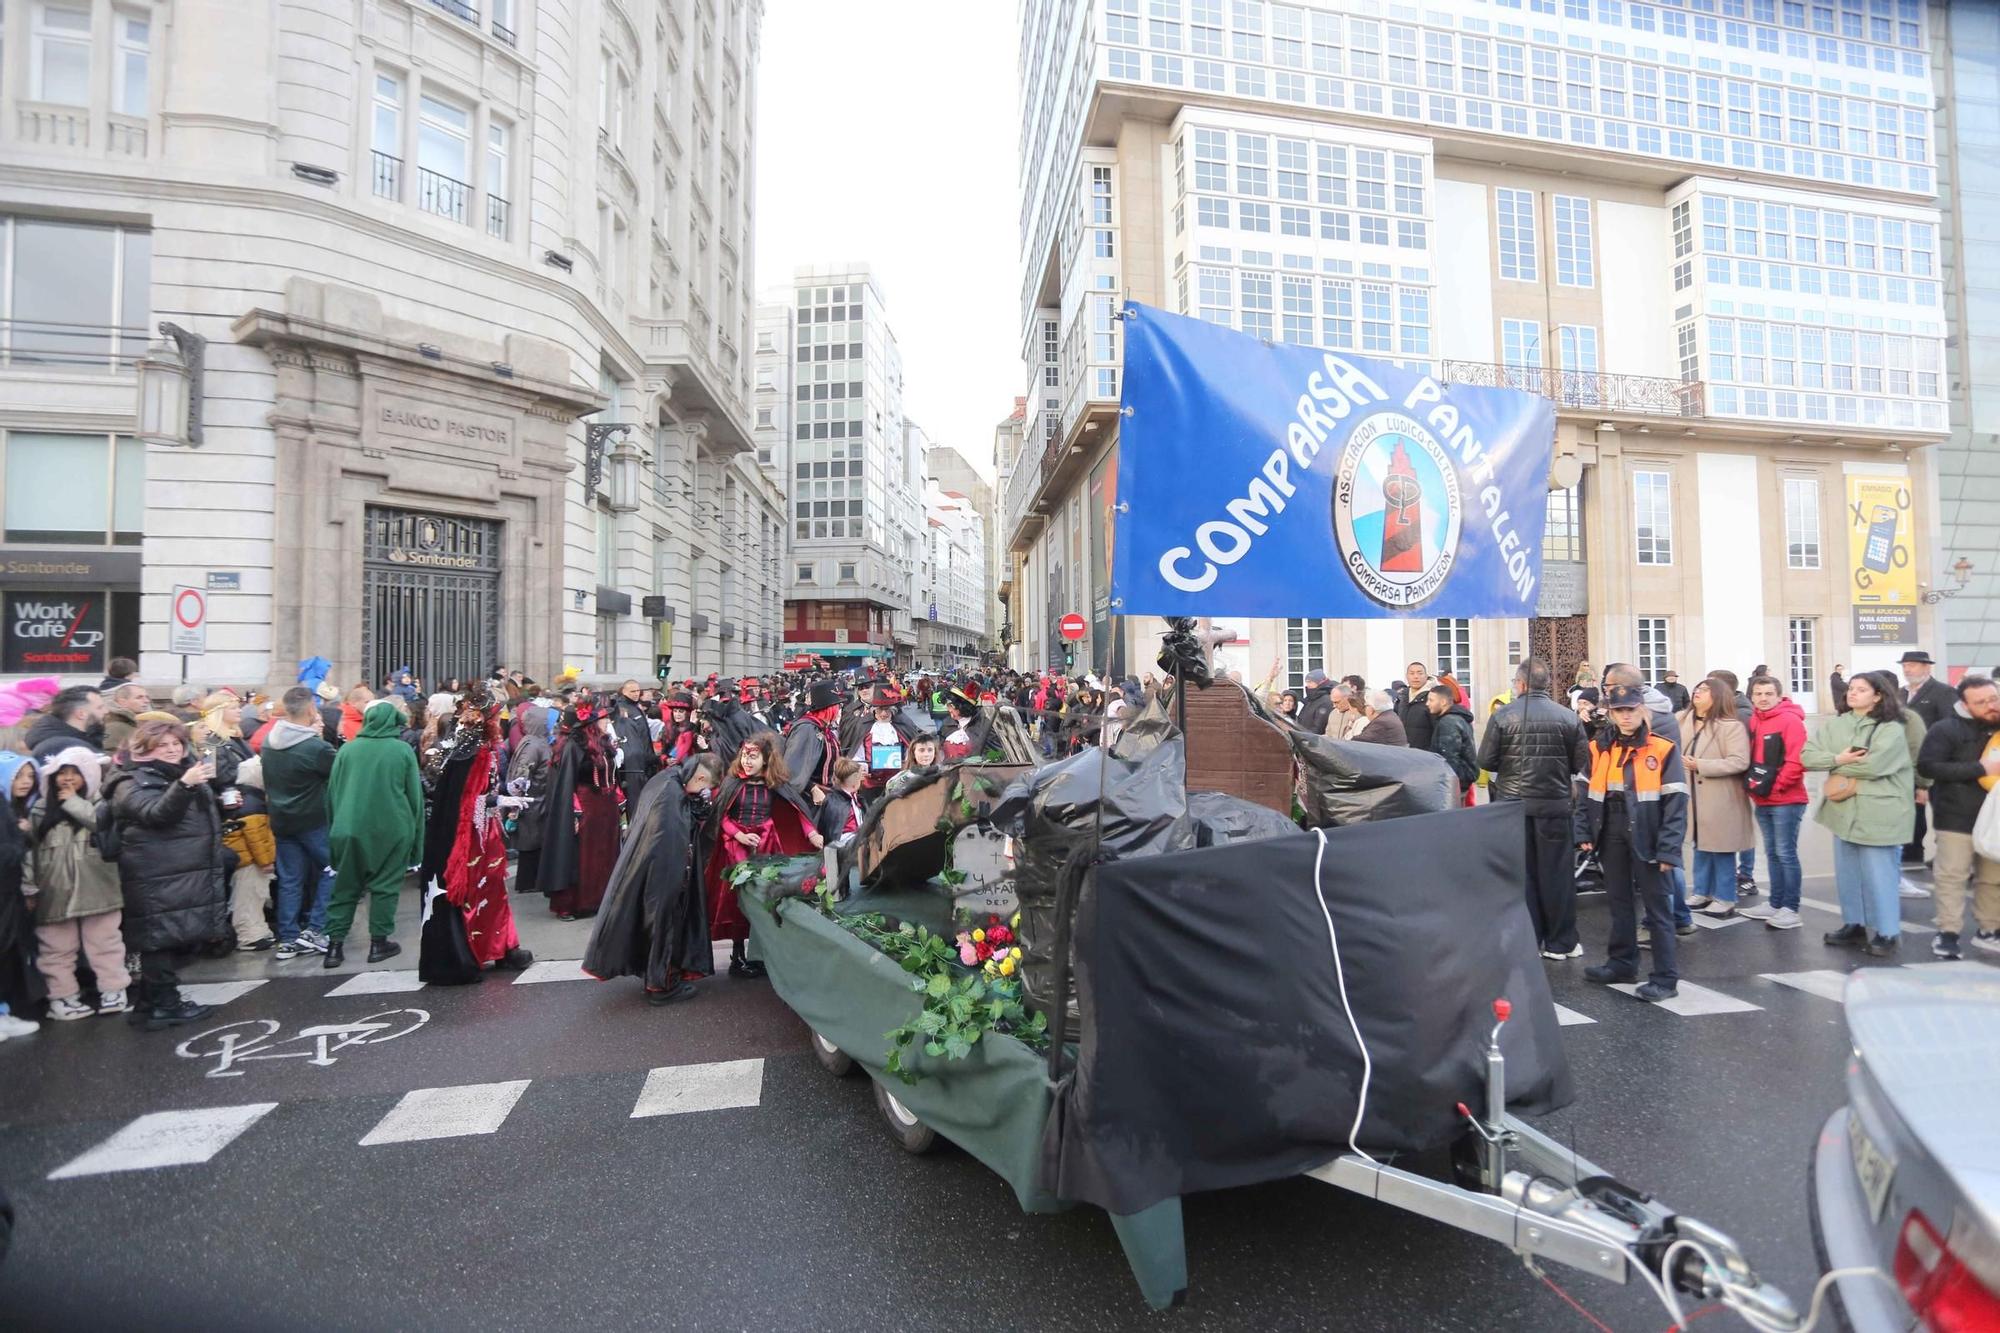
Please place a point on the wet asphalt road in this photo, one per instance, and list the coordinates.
(797, 1211)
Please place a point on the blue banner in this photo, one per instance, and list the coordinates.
(1261, 479)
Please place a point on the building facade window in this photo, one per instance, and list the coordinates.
(1454, 651)
(73, 294)
(1653, 645)
(1516, 218)
(1802, 656)
(386, 136)
(607, 548)
(607, 642)
(131, 83)
(73, 490)
(1305, 651)
(444, 157)
(497, 188)
(1652, 517)
(1576, 256)
(1562, 529)
(1521, 343)
(59, 69)
(1801, 523)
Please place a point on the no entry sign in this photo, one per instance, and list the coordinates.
(187, 625)
(1071, 627)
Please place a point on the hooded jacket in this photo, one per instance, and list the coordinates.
(1778, 737)
(297, 760)
(70, 878)
(376, 798)
(1950, 758)
(170, 858)
(1451, 741)
(1316, 708)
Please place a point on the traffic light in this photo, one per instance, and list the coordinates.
(1069, 657)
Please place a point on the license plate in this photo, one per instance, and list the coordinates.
(1873, 1167)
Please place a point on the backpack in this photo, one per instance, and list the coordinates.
(104, 838)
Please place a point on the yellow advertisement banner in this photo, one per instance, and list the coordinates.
(1881, 559)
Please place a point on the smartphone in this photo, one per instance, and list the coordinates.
(1881, 540)
(1859, 749)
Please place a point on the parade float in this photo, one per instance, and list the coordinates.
(1213, 955)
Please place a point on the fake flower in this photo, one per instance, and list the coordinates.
(967, 955)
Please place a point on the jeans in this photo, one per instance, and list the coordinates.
(1677, 896)
(1715, 875)
(1780, 826)
(1746, 862)
(296, 855)
(1868, 879)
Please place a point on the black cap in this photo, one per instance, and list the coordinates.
(1625, 696)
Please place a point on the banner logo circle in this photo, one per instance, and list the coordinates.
(1397, 510)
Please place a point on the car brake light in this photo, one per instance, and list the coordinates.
(1943, 1293)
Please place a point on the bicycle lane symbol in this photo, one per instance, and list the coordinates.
(250, 1039)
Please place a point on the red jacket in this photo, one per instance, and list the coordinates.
(1786, 720)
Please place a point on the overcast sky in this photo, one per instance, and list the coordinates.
(886, 134)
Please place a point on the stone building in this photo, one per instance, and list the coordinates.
(474, 284)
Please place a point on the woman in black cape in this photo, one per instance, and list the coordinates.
(654, 921)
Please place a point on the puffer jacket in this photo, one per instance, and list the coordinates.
(170, 858)
(71, 880)
(1950, 758)
(1316, 708)
(1451, 741)
(1533, 747)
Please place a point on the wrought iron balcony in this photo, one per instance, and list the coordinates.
(440, 194)
(496, 216)
(458, 9)
(388, 175)
(1587, 391)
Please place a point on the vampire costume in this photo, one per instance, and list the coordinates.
(581, 820)
(654, 922)
(967, 729)
(812, 742)
(729, 724)
(782, 827)
(475, 868)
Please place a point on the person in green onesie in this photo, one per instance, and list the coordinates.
(377, 802)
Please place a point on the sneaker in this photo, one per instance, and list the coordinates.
(1988, 940)
(287, 950)
(1746, 885)
(10, 1026)
(1574, 951)
(1697, 901)
(1608, 974)
(1719, 910)
(1883, 946)
(1944, 944)
(173, 1015)
(316, 940)
(1761, 912)
(68, 1009)
(1847, 937)
(257, 946)
(1687, 929)
(1909, 888)
(1645, 938)
(1784, 919)
(113, 1002)
(1652, 992)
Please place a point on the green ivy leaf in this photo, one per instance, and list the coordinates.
(935, 1048)
(957, 1048)
(938, 986)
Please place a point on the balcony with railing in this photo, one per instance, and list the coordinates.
(458, 9)
(496, 216)
(386, 173)
(1587, 391)
(440, 194)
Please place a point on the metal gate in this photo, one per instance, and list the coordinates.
(431, 596)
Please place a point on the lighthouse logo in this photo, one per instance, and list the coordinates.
(1396, 510)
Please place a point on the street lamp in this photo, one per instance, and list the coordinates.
(1961, 573)
(170, 389)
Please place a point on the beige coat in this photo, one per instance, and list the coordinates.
(1345, 726)
(1717, 754)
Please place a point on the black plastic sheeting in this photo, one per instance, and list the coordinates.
(1218, 1049)
(1138, 787)
(1352, 782)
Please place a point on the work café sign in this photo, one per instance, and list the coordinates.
(53, 633)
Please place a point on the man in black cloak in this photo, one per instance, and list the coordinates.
(654, 922)
(728, 724)
(967, 729)
(812, 743)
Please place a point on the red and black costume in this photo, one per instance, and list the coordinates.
(782, 827)
(583, 816)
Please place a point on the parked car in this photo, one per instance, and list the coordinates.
(1906, 1176)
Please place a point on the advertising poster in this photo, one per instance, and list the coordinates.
(1881, 564)
(54, 633)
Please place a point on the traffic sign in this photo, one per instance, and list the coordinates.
(187, 627)
(1071, 626)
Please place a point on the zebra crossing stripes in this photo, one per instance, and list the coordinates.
(219, 992)
(388, 982)
(1696, 1001)
(563, 969)
(1825, 982)
(1570, 1018)
(166, 1138)
(678, 1089)
(447, 1113)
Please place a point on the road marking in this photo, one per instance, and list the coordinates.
(1824, 982)
(219, 992)
(676, 1089)
(565, 969)
(1570, 1018)
(1833, 909)
(377, 983)
(447, 1113)
(167, 1138)
(1696, 1001)
(1717, 922)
